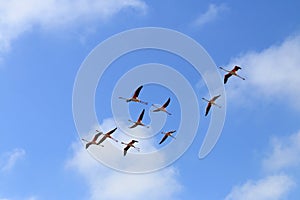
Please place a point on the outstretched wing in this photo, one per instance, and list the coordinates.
(96, 136)
(88, 144)
(102, 140)
(141, 115)
(163, 139)
(167, 103)
(111, 131)
(125, 149)
(236, 68)
(226, 77)
(133, 126)
(137, 92)
(207, 109)
(215, 97)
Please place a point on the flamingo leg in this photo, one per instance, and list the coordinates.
(217, 105)
(138, 149)
(172, 136)
(240, 77)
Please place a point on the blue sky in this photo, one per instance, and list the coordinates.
(42, 45)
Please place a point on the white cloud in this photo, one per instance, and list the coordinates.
(270, 73)
(110, 184)
(10, 159)
(284, 154)
(211, 14)
(269, 188)
(20, 16)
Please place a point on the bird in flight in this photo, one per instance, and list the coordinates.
(135, 98)
(231, 72)
(130, 144)
(167, 134)
(108, 135)
(139, 121)
(93, 141)
(162, 108)
(210, 103)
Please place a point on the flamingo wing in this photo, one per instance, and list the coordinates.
(164, 138)
(111, 131)
(134, 125)
(215, 97)
(167, 103)
(88, 144)
(137, 92)
(236, 68)
(226, 77)
(126, 149)
(102, 139)
(96, 136)
(133, 141)
(141, 115)
(207, 108)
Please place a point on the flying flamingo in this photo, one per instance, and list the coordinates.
(211, 102)
(134, 98)
(139, 121)
(163, 107)
(130, 144)
(167, 134)
(108, 135)
(93, 141)
(232, 72)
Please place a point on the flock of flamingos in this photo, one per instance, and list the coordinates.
(162, 108)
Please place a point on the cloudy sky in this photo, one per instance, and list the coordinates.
(44, 43)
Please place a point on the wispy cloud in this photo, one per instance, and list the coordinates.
(268, 188)
(110, 184)
(18, 17)
(210, 15)
(9, 159)
(284, 154)
(272, 73)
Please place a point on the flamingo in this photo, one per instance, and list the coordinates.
(163, 107)
(232, 72)
(139, 121)
(167, 134)
(93, 141)
(134, 98)
(211, 102)
(108, 135)
(130, 144)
